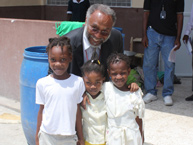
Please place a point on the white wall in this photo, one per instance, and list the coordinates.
(183, 60)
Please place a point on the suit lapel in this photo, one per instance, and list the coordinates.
(79, 48)
(79, 55)
(105, 51)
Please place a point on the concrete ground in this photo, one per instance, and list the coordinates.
(10, 123)
(163, 125)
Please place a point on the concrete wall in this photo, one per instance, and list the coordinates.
(137, 3)
(130, 19)
(22, 2)
(15, 36)
(22, 12)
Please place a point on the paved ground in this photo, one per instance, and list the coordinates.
(171, 125)
(10, 124)
(163, 125)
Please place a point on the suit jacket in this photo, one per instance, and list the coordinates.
(113, 44)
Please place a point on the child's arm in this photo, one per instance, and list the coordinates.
(140, 123)
(79, 126)
(39, 122)
(85, 99)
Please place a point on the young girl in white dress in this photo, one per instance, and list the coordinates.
(125, 109)
(95, 116)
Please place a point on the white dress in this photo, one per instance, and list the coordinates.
(95, 120)
(122, 110)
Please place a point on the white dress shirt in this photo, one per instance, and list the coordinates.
(189, 26)
(87, 48)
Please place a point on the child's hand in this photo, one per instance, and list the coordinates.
(85, 99)
(80, 142)
(133, 87)
(37, 140)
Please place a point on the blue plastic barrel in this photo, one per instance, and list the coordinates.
(34, 66)
(118, 28)
(123, 35)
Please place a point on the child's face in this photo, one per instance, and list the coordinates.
(119, 73)
(93, 82)
(59, 61)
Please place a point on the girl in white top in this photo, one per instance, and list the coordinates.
(95, 116)
(59, 95)
(125, 109)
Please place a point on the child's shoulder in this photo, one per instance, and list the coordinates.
(106, 84)
(76, 78)
(138, 93)
(43, 79)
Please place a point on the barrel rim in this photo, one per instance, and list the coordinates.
(41, 54)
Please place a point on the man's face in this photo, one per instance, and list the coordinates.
(98, 28)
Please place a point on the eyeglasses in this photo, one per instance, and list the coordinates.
(102, 32)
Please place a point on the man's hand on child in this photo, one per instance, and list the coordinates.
(133, 87)
(85, 99)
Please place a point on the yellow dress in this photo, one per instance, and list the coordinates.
(87, 143)
(95, 121)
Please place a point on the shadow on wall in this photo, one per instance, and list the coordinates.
(16, 35)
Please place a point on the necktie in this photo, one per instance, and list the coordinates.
(94, 54)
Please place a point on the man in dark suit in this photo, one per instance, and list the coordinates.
(97, 34)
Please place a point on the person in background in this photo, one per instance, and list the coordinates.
(77, 10)
(188, 30)
(162, 26)
(59, 95)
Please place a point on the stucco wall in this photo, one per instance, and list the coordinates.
(22, 2)
(130, 19)
(15, 36)
(137, 3)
